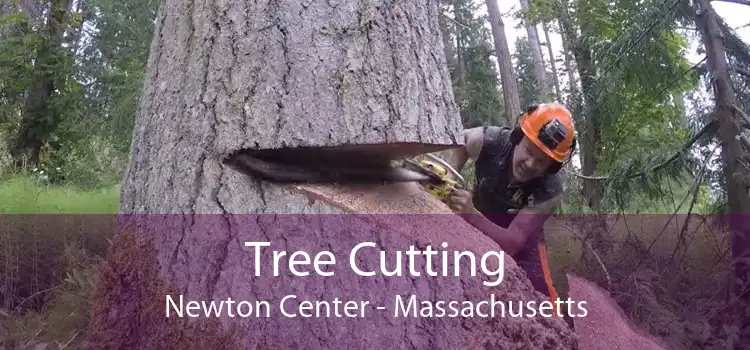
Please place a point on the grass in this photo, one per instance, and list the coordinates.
(23, 195)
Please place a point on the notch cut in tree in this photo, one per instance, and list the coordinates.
(287, 74)
(237, 75)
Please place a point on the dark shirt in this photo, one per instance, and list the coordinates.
(495, 195)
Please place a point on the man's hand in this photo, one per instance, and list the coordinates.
(460, 202)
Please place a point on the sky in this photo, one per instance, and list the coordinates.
(737, 16)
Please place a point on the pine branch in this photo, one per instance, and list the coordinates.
(741, 71)
(708, 127)
(694, 188)
(454, 21)
(744, 116)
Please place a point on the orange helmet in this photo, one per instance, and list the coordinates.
(550, 127)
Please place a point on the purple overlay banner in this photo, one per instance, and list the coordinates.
(328, 275)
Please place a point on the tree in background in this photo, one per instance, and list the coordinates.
(68, 112)
(530, 91)
(475, 83)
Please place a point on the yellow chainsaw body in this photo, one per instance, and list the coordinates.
(446, 186)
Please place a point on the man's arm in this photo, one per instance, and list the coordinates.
(473, 140)
(529, 220)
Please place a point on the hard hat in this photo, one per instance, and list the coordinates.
(550, 127)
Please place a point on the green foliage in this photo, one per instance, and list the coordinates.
(118, 64)
(16, 69)
(482, 104)
(639, 68)
(86, 123)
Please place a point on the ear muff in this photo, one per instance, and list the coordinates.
(516, 135)
(556, 166)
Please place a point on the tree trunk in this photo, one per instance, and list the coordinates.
(591, 138)
(732, 155)
(507, 77)
(585, 112)
(572, 81)
(357, 73)
(540, 71)
(460, 46)
(448, 47)
(38, 118)
(273, 89)
(553, 64)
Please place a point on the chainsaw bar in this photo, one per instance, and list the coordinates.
(323, 170)
(412, 165)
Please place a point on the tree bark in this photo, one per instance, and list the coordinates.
(292, 74)
(732, 155)
(507, 77)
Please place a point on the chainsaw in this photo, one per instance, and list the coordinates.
(339, 165)
(444, 179)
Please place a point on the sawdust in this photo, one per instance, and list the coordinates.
(395, 198)
(444, 226)
(606, 326)
(128, 305)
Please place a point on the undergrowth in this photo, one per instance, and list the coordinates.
(48, 262)
(676, 289)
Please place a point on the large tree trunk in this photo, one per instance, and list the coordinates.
(540, 73)
(292, 75)
(507, 77)
(732, 154)
(346, 77)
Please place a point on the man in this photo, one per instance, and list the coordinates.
(517, 184)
